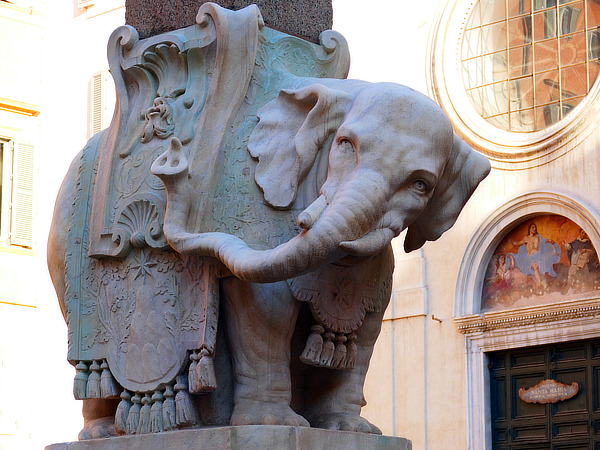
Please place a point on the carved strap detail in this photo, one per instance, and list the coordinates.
(341, 295)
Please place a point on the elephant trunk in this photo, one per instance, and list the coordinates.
(349, 217)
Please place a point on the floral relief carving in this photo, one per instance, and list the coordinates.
(138, 301)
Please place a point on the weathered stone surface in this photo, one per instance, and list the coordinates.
(244, 437)
(303, 18)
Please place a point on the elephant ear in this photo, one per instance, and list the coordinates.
(464, 171)
(290, 132)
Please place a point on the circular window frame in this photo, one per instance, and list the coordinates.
(506, 149)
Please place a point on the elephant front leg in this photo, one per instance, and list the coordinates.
(260, 322)
(335, 397)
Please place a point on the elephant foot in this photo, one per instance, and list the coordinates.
(103, 427)
(345, 422)
(266, 413)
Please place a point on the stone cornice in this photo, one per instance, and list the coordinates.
(522, 317)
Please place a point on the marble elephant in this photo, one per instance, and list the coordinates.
(390, 161)
(346, 166)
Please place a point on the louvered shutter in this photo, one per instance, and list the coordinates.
(96, 104)
(21, 229)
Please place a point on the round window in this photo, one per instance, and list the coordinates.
(527, 63)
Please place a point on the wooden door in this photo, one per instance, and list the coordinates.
(572, 424)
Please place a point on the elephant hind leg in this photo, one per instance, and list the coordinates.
(98, 419)
(260, 322)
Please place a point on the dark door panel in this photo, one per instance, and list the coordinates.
(568, 424)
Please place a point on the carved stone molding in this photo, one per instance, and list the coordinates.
(481, 326)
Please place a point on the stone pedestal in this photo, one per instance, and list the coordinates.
(244, 437)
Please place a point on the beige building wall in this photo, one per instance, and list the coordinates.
(50, 51)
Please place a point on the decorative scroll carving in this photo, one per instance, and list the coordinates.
(176, 84)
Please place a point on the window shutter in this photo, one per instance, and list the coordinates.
(21, 232)
(85, 3)
(96, 115)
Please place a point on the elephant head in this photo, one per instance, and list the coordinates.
(393, 162)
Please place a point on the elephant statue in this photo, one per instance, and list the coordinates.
(290, 231)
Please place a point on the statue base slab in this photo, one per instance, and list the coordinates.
(243, 437)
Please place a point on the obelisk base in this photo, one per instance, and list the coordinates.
(243, 437)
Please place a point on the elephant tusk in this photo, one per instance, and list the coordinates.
(311, 214)
(370, 244)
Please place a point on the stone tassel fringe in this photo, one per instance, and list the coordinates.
(168, 409)
(185, 412)
(314, 345)
(80, 381)
(192, 377)
(108, 386)
(144, 425)
(141, 413)
(156, 413)
(133, 418)
(339, 355)
(93, 382)
(352, 352)
(206, 381)
(328, 350)
(123, 412)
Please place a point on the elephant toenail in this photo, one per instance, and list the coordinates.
(291, 421)
(363, 428)
(269, 419)
(347, 426)
(243, 419)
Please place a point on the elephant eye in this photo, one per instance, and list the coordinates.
(420, 186)
(346, 145)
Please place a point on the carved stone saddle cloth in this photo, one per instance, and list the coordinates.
(135, 309)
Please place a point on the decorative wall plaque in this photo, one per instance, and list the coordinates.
(549, 391)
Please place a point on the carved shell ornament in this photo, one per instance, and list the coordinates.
(139, 225)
